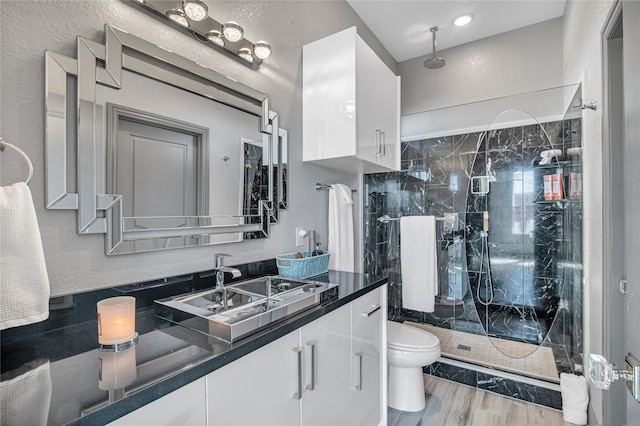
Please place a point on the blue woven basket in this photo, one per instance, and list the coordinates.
(290, 266)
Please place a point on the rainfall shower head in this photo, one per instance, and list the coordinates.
(434, 63)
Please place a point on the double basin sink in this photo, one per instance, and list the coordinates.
(238, 310)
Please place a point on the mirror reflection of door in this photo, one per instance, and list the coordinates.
(255, 181)
(158, 174)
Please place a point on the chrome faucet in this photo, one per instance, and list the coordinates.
(221, 269)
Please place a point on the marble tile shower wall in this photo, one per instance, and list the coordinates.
(534, 246)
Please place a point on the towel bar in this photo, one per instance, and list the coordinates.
(449, 218)
(4, 144)
(321, 186)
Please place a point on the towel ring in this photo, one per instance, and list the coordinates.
(4, 144)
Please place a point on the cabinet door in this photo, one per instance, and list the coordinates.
(261, 388)
(368, 98)
(388, 119)
(326, 344)
(368, 314)
(185, 406)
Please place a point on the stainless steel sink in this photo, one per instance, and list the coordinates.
(240, 309)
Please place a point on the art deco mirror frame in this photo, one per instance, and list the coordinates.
(104, 64)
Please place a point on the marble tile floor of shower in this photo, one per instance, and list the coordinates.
(531, 360)
(452, 404)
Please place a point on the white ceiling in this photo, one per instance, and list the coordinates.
(403, 26)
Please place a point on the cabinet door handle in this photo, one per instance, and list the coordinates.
(358, 387)
(375, 309)
(377, 142)
(383, 147)
(298, 395)
(312, 385)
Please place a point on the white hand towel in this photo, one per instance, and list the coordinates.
(419, 263)
(575, 398)
(340, 244)
(25, 399)
(24, 283)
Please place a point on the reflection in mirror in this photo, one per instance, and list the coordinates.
(161, 148)
(282, 170)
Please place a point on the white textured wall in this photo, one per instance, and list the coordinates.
(518, 61)
(583, 23)
(28, 28)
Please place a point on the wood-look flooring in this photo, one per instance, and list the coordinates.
(450, 403)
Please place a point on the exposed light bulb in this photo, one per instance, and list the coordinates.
(262, 49)
(232, 31)
(245, 53)
(178, 16)
(195, 9)
(215, 37)
(463, 20)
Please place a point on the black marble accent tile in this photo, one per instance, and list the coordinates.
(519, 390)
(454, 373)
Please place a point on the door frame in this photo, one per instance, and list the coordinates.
(116, 112)
(613, 247)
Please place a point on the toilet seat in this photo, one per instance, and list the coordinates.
(407, 338)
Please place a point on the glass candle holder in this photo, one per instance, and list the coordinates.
(117, 322)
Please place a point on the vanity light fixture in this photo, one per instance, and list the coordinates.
(232, 31)
(193, 15)
(463, 20)
(262, 49)
(246, 54)
(178, 16)
(215, 37)
(195, 9)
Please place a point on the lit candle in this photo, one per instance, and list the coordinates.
(116, 320)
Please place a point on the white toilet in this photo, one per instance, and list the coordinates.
(408, 350)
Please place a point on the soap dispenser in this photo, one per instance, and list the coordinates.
(317, 251)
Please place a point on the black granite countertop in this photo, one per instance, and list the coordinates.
(60, 360)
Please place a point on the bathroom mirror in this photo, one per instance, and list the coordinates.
(169, 154)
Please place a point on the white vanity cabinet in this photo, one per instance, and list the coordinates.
(331, 371)
(183, 407)
(260, 388)
(351, 106)
(369, 355)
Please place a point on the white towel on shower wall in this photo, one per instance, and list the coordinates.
(340, 244)
(419, 262)
(24, 283)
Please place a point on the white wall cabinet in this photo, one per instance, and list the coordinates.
(183, 407)
(351, 106)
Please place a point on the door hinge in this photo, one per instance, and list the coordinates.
(623, 286)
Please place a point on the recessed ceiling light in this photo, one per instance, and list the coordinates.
(463, 20)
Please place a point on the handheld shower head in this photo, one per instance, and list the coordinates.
(434, 63)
